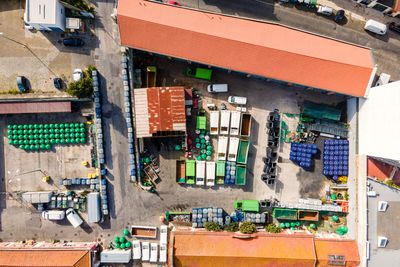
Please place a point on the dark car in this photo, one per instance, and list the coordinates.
(22, 84)
(340, 16)
(394, 27)
(58, 83)
(73, 42)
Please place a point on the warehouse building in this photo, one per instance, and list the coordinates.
(270, 51)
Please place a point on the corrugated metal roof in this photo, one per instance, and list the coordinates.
(159, 109)
(34, 107)
(268, 50)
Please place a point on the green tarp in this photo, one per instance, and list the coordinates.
(318, 111)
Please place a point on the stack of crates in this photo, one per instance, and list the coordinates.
(202, 215)
(254, 217)
(336, 158)
(98, 118)
(101, 184)
(128, 118)
(230, 172)
(302, 154)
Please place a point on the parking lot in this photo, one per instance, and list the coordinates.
(38, 56)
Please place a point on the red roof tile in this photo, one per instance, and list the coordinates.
(267, 50)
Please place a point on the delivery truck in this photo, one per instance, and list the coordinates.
(214, 122)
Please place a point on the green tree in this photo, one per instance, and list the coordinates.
(232, 227)
(247, 228)
(212, 226)
(272, 228)
(82, 88)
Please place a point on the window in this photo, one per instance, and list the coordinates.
(40, 9)
(336, 260)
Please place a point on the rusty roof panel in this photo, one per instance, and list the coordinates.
(166, 108)
(34, 107)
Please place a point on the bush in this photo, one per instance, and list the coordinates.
(81, 4)
(212, 226)
(232, 227)
(272, 228)
(247, 228)
(82, 88)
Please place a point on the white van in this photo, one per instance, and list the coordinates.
(238, 100)
(375, 27)
(53, 215)
(217, 88)
(153, 252)
(73, 218)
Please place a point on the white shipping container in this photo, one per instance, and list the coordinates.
(225, 120)
(153, 252)
(200, 172)
(214, 122)
(235, 123)
(222, 147)
(210, 172)
(116, 256)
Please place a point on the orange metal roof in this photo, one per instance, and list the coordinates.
(248, 46)
(396, 7)
(166, 107)
(44, 258)
(346, 248)
(221, 249)
(34, 107)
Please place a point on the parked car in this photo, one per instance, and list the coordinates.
(22, 84)
(394, 27)
(137, 250)
(238, 100)
(340, 16)
(73, 42)
(325, 10)
(73, 217)
(53, 215)
(375, 27)
(175, 3)
(77, 75)
(28, 27)
(217, 88)
(58, 83)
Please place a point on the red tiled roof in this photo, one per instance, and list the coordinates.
(263, 49)
(378, 169)
(34, 107)
(221, 249)
(346, 248)
(44, 258)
